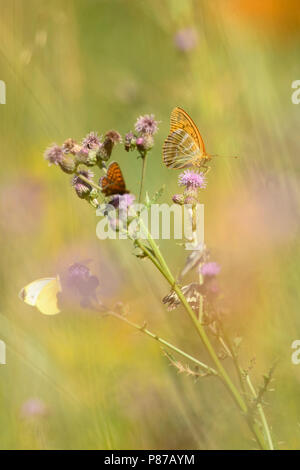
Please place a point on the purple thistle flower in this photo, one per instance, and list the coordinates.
(54, 154)
(91, 141)
(78, 287)
(81, 187)
(146, 124)
(70, 146)
(186, 39)
(192, 179)
(210, 269)
(111, 138)
(114, 136)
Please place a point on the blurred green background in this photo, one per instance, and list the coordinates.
(72, 66)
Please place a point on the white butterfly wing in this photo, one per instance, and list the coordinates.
(42, 294)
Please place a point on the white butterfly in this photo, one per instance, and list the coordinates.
(42, 294)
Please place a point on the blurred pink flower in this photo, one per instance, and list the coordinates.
(33, 408)
(210, 269)
(186, 39)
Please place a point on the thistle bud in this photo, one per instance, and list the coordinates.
(130, 141)
(140, 143)
(178, 199)
(111, 138)
(86, 156)
(81, 187)
(148, 142)
(67, 164)
(93, 193)
(70, 146)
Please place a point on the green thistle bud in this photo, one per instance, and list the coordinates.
(86, 156)
(93, 193)
(91, 158)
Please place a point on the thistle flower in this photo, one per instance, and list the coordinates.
(146, 124)
(91, 141)
(54, 154)
(186, 39)
(81, 187)
(70, 146)
(111, 138)
(114, 136)
(78, 287)
(192, 180)
(210, 269)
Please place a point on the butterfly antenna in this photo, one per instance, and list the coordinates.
(225, 156)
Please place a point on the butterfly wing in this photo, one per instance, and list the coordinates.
(180, 150)
(113, 182)
(42, 294)
(181, 120)
(184, 145)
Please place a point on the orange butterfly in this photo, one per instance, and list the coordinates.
(184, 145)
(113, 182)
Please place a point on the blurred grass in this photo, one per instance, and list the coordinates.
(75, 66)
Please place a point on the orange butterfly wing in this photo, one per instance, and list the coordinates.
(113, 182)
(181, 120)
(184, 145)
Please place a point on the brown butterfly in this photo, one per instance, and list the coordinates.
(113, 182)
(184, 146)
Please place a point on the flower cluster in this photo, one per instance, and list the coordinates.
(142, 140)
(192, 181)
(75, 159)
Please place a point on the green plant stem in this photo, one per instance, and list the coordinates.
(149, 333)
(153, 259)
(228, 347)
(201, 331)
(261, 414)
(144, 158)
